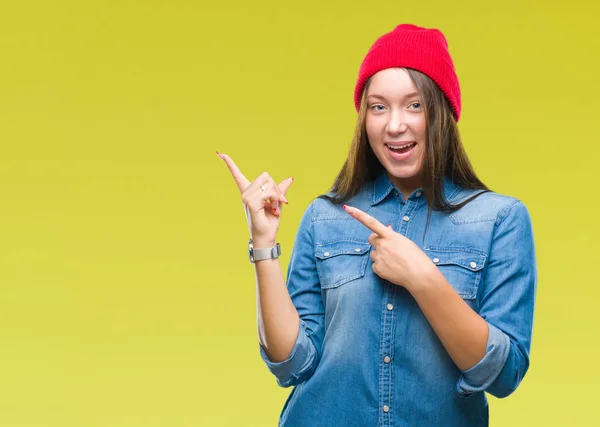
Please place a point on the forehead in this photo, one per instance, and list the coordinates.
(391, 82)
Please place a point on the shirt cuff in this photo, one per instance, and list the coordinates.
(484, 373)
(289, 371)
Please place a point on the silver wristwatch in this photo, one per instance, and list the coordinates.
(258, 254)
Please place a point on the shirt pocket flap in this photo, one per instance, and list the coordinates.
(341, 261)
(461, 268)
(342, 247)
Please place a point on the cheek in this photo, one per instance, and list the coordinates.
(422, 129)
(373, 129)
(369, 128)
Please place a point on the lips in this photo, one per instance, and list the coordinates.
(401, 144)
(404, 151)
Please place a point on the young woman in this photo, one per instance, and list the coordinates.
(410, 289)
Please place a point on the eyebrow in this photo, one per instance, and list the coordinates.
(408, 95)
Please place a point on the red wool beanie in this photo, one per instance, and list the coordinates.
(410, 46)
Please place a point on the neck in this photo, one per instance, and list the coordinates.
(405, 185)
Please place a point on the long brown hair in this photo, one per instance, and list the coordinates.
(444, 152)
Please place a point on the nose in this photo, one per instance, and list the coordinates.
(396, 123)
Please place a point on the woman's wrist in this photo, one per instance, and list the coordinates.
(263, 242)
(427, 279)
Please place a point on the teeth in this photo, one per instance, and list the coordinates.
(401, 146)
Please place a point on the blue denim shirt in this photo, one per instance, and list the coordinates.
(365, 353)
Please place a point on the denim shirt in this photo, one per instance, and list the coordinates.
(365, 354)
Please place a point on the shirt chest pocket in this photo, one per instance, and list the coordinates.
(462, 269)
(341, 261)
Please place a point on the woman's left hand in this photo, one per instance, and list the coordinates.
(395, 257)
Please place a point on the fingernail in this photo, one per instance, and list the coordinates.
(292, 178)
(349, 209)
(219, 154)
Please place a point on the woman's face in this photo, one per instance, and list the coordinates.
(396, 118)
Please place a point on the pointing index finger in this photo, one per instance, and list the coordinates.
(241, 181)
(368, 221)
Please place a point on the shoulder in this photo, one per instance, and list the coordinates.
(324, 209)
(489, 206)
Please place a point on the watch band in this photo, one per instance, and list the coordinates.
(267, 253)
(259, 254)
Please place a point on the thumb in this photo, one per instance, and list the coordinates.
(284, 186)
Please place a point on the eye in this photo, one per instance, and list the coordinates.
(372, 107)
(418, 104)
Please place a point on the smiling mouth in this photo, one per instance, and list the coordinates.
(403, 148)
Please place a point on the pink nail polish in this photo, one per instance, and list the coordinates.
(349, 209)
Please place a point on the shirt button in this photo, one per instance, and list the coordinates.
(418, 194)
(386, 408)
(473, 264)
(326, 254)
(406, 218)
(390, 306)
(436, 260)
(387, 359)
(357, 250)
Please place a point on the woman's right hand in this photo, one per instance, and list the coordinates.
(262, 207)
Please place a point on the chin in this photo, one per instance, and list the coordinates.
(403, 172)
(402, 169)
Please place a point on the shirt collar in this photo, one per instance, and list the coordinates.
(382, 186)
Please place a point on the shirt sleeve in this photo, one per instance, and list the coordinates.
(507, 305)
(304, 288)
